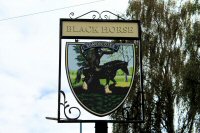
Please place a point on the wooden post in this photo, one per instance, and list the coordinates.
(101, 127)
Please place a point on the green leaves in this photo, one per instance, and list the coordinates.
(171, 60)
(81, 62)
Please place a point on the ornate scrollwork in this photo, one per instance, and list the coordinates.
(71, 15)
(67, 106)
(96, 15)
(104, 15)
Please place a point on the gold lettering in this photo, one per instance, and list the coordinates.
(125, 30)
(75, 29)
(95, 29)
(82, 29)
(130, 30)
(112, 29)
(88, 29)
(69, 28)
(104, 29)
(119, 30)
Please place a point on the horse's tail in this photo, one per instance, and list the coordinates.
(78, 75)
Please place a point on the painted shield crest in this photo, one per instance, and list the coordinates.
(100, 74)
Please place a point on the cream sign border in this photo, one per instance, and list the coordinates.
(106, 29)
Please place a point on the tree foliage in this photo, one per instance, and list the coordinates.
(171, 50)
(81, 62)
(190, 92)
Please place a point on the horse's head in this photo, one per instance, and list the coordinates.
(125, 68)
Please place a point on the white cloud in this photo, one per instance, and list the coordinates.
(29, 64)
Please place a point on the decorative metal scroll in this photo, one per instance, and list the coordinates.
(67, 106)
(129, 113)
(96, 15)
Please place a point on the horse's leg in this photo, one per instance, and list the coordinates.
(114, 81)
(85, 86)
(107, 90)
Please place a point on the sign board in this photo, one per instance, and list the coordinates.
(100, 71)
(99, 29)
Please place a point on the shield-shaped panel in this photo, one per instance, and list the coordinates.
(100, 74)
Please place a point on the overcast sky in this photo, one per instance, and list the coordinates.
(29, 31)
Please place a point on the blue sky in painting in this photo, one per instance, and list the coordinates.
(72, 61)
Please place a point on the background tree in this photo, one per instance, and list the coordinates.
(190, 92)
(81, 61)
(91, 58)
(166, 27)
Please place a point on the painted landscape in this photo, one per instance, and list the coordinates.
(100, 97)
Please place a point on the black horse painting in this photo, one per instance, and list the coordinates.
(107, 71)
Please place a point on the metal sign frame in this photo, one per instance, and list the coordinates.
(126, 111)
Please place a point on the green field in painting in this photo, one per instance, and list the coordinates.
(120, 79)
(99, 101)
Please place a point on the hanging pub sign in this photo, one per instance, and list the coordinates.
(100, 68)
